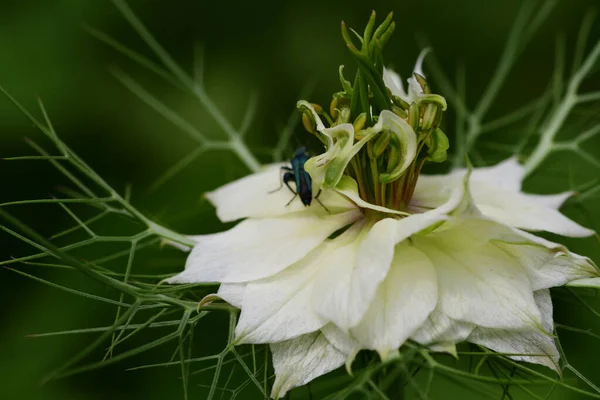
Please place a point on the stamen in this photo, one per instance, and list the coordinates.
(393, 133)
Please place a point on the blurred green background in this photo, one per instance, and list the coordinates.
(273, 49)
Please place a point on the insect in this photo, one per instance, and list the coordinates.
(300, 177)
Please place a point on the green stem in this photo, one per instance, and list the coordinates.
(393, 382)
(363, 89)
(237, 144)
(375, 175)
(359, 178)
(399, 200)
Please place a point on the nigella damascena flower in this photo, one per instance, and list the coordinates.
(389, 255)
(440, 276)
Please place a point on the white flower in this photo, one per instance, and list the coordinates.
(456, 268)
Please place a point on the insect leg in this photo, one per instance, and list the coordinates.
(288, 171)
(322, 205)
(287, 178)
(290, 202)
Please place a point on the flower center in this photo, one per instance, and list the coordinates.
(373, 131)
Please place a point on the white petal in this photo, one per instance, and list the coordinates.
(525, 211)
(496, 191)
(300, 360)
(418, 68)
(393, 81)
(548, 264)
(278, 308)
(478, 282)
(440, 331)
(507, 175)
(444, 194)
(233, 293)
(402, 303)
(554, 201)
(258, 196)
(340, 340)
(415, 91)
(433, 190)
(539, 345)
(333, 292)
(346, 288)
(258, 248)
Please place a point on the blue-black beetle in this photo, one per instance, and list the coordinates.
(300, 177)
